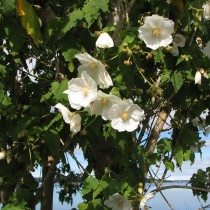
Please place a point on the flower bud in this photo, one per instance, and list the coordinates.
(149, 56)
(206, 12)
(128, 63)
(198, 78)
(2, 155)
(104, 41)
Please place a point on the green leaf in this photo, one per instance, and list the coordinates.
(92, 10)
(70, 48)
(189, 137)
(164, 145)
(1, 91)
(52, 26)
(58, 88)
(55, 119)
(21, 126)
(165, 77)
(180, 59)
(8, 6)
(11, 29)
(159, 56)
(83, 206)
(6, 101)
(90, 183)
(94, 204)
(20, 206)
(115, 91)
(178, 155)
(177, 80)
(46, 96)
(71, 20)
(187, 155)
(52, 139)
(169, 165)
(102, 185)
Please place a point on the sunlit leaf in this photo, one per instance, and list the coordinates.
(92, 9)
(71, 20)
(29, 20)
(90, 183)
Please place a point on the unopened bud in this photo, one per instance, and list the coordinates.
(125, 45)
(2, 155)
(149, 56)
(83, 132)
(128, 63)
(129, 52)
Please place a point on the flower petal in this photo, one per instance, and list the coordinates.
(67, 116)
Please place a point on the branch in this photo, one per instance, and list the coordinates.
(169, 205)
(162, 117)
(181, 187)
(119, 15)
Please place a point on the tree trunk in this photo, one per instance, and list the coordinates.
(48, 175)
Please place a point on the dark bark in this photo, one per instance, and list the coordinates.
(48, 174)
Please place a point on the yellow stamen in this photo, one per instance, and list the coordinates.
(124, 116)
(85, 91)
(104, 101)
(156, 32)
(92, 66)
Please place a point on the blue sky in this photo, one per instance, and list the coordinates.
(201, 162)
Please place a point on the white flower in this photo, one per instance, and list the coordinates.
(104, 41)
(156, 31)
(70, 118)
(2, 155)
(102, 104)
(126, 116)
(198, 77)
(206, 12)
(145, 198)
(199, 42)
(197, 123)
(118, 202)
(174, 51)
(206, 50)
(95, 69)
(179, 40)
(81, 91)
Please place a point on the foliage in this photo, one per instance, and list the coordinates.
(39, 41)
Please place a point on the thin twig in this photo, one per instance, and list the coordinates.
(158, 185)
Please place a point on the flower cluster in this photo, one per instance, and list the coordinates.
(83, 92)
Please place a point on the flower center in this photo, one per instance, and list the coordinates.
(177, 39)
(92, 66)
(124, 116)
(85, 91)
(120, 203)
(104, 101)
(156, 32)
